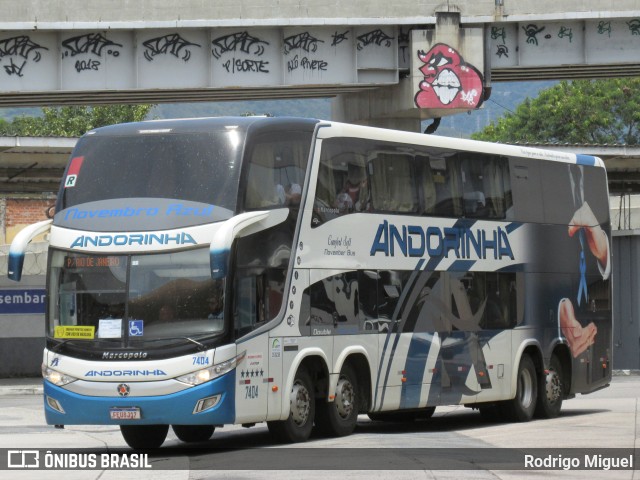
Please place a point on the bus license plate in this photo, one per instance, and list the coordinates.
(128, 413)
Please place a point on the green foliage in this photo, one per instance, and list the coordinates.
(582, 111)
(73, 121)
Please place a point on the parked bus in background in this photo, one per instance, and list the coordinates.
(205, 272)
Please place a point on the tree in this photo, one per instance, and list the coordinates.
(581, 111)
(73, 121)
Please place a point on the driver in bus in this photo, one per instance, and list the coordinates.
(216, 312)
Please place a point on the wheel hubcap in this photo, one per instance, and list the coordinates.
(345, 397)
(554, 386)
(300, 404)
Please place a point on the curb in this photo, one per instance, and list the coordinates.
(21, 390)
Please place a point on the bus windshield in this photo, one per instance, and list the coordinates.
(199, 167)
(134, 300)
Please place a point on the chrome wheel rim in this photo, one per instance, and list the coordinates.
(300, 403)
(553, 386)
(345, 397)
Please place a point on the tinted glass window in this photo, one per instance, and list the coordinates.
(277, 169)
(138, 299)
(200, 167)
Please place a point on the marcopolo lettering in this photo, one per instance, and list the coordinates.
(124, 355)
(84, 241)
(463, 242)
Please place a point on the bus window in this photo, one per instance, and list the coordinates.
(473, 196)
(392, 183)
(428, 185)
(446, 178)
(276, 171)
(497, 187)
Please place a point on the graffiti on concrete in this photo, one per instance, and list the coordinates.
(531, 31)
(565, 32)
(604, 28)
(242, 43)
(92, 44)
(634, 26)
(171, 44)
(301, 41)
(449, 82)
(238, 42)
(338, 38)
(375, 37)
(21, 49)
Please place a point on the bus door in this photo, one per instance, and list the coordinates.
(252, 373)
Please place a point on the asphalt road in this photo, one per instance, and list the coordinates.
(455, 436)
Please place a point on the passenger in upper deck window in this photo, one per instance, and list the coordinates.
(354, 194)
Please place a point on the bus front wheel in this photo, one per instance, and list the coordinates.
(302, 410)
(193, 433)
(522, 407)
(142, 437)
(339, 418)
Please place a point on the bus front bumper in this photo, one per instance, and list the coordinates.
(211, 403)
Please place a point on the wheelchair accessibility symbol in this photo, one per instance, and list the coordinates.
(135, 328)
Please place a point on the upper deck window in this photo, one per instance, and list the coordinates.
(200, 167)
(359, 175)
(277, 169)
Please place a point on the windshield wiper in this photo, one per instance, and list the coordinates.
(60, 343)
(201, 346)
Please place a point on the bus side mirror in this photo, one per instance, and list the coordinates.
(19, 246)
(236, 227)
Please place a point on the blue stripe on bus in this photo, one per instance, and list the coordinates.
(512, 227)
(414, 369)
(393, 325)
(588, 160)
(461, 266)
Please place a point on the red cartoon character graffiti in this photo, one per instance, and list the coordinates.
(448, 82)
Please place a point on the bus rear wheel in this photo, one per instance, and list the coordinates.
(297, 428)
(143, 437)
(551, 390)
(339, 418)
(522, 407)
(193, 433)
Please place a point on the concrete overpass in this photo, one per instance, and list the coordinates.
(392, 63)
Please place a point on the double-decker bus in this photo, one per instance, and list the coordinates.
(204, 272)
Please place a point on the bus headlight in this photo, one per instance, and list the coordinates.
(206, 374)
(55, 377)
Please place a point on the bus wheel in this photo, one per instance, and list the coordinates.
(193, 433)
(550, 391)
(142, 437)
(297, 428)
(339, 418)
(521, 408)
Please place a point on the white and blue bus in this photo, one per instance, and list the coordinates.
(205, 272)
